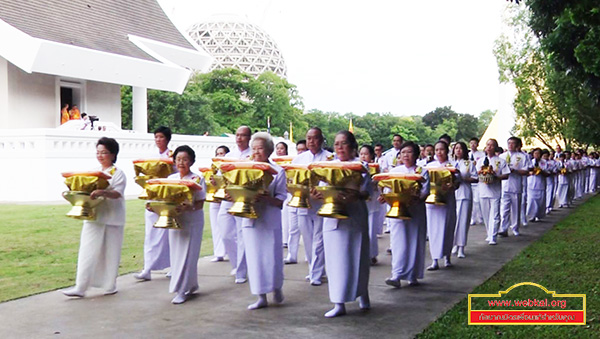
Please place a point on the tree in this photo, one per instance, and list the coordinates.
(439, 115)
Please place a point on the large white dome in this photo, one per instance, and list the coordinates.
(239, 44)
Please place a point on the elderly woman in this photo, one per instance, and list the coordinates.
(156, 240)
(185, 242)
(346, 241)
(218, 245)
(464, 196)
(407, 237)
(101, 239)
(262, 236)
(441, 219)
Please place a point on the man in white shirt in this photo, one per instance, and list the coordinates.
(311, 225)
(391, 154)
(512, 188)
(231, 227)
(474, 156)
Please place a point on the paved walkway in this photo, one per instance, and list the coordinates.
(143, 309)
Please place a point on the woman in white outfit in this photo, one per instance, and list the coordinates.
(218, 245)
(464, 197)
(536, 188)
(156, 240)
(346, 241)
(185, 242)
(408, 237)
(563, 181)
(101, 239)
(441, 219)
(367, 154)
(262, 236)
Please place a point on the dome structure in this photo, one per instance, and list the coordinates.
(236, 43)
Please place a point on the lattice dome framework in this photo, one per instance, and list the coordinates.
(239, 44)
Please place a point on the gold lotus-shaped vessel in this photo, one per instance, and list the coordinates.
(245, 180)
(298, 184)
(147, 169)
(341, 177)
(441, 180)
(404, 190)
(166, 195)
(81, 185)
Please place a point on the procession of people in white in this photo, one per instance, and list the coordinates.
(525, 188)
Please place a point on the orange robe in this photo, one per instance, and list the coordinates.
(64, 116)
(75, 114)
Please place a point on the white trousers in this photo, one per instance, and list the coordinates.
(463, 218)
(231, 233)
(490, 208)
(562, 194)
(293, 239)
(311, 227)
(510, 211)
(218, 245)
(476, 216)
(156, 244)
(550, 191)
(99, 256)
(375, 226)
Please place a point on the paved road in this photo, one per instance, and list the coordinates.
(143, 309)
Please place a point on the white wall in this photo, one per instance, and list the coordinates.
(33, 160)
(32, 100)
(3, 92)
(104, 101)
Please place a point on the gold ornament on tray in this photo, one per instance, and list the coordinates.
(214, 193)
(441, 180)
(283, 160)
(165, 195)
(405, 189)
(486, 174)
(81, 185)
(245, 180)
(218, 177)
(298, 184)
(374, 168)
(341, 177)
(146, 169)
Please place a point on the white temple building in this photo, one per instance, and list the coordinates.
(81, 53)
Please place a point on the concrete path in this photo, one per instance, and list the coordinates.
(143, 309)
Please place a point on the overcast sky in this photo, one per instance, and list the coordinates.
(403, 57)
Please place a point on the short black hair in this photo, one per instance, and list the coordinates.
(186, 149)
(111, 145)
(223, 147)
(301, 142)
(445, 136)
(166, 131)
(379, 145)
(443, 142)
(370, 149)
(83, 115)
(517, 140)
(397, 135)
(415, 148)
(474, 138)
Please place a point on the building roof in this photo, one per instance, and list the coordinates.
(102, 25)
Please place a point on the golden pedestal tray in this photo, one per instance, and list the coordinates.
(441, 180)
(283, 160)
(165, 195)
(298, 184)
(341, 177)
(81, 185)
(404, 190)
(245, 180)
(146, 169)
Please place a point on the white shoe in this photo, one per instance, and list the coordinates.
(461, 252)
(515, 232)
(316, 283)
(240, 280)
(217, 259)
(232, 272)
(74, 292)
(454, 249)
(143, 275)
(492, 242)
(180, 298)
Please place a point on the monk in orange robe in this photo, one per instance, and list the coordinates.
(64, 114)
(74, 112)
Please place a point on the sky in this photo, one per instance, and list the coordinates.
(402, 57)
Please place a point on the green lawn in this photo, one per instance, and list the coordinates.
(39, 244)
(566, 260)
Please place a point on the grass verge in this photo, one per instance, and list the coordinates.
(39, 245)
(566, 259)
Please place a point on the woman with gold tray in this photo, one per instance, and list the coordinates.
(408, 236)
(262, 234)
(185, 243)
(367, 155)
(562, 187)
(156, 240)
(536, 188)
(464, 197)
(441, 210)
(101, 239)
(346, 241)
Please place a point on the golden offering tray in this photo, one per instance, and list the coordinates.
(245, 180)
(283, 160)
(81, 185)
(214, 193)
(219, 195)
(165, 195)
(342, 177)
(153, 168)
(563, 171)
(536, 170)
(404, 190)
(298, 184)
(441, 180)
(374, 168)
(486, 175)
